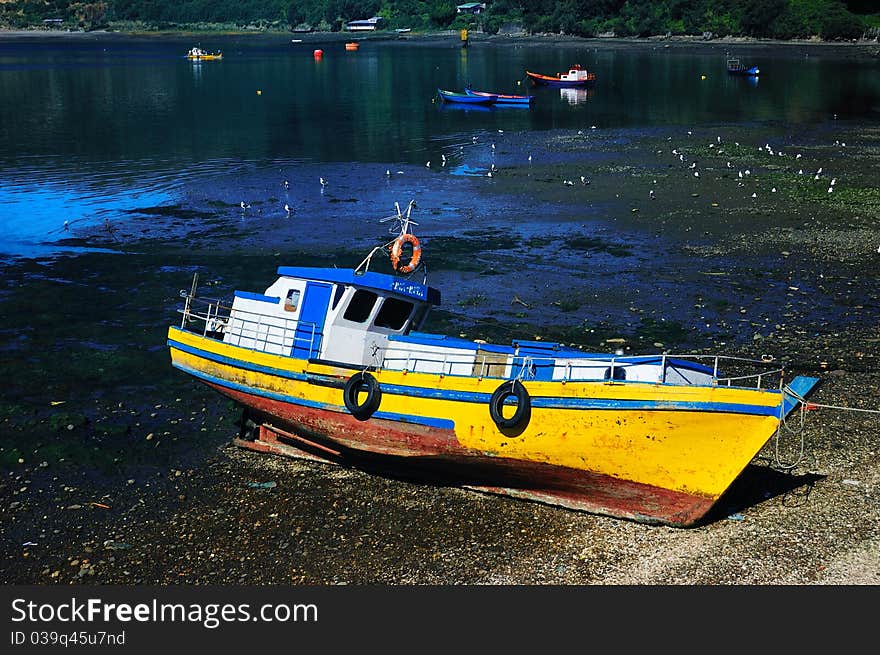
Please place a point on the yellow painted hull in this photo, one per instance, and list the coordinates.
(654, 452)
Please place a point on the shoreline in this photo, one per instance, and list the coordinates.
(474, 37)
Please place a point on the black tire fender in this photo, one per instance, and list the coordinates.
(520, 419)
(362, 381)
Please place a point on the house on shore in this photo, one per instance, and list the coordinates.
(470, 8)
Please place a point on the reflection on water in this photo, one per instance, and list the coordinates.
(96, 129)
(575, 96)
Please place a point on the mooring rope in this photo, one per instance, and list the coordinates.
(805, 406)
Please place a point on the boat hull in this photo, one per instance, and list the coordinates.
(647, 452)
(505, 99)
(464, 98)
(744, 72)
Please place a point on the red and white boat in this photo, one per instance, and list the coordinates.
(576, 76)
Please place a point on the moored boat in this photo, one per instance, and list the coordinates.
(735, 67)
(576, 76)
(503, 98)
(464, 98)
(197, 54)
(331, 363)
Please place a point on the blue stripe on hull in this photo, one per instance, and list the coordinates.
(483, 398)
(445, 424)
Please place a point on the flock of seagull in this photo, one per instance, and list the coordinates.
(742, 174)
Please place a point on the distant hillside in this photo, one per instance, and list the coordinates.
(778, 19)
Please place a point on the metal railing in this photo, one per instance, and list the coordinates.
(272, 333)
(266, 333)
(742, 372)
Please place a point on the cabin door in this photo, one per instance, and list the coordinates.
(310, 327)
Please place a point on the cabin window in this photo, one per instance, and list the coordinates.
(291, 302)
(393, 313)
(360, 306)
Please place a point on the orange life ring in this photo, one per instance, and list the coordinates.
(397, 251)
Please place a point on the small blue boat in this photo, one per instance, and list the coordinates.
(503, 98)
(464, 98)
(734, 67)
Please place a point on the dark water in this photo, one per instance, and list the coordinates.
(95, 129)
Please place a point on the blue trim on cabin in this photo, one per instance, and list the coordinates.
(368, 280)
(536, 401)
(257, 296)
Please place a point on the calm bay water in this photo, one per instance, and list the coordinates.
(94, 129)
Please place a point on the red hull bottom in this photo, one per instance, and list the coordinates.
(304, 432)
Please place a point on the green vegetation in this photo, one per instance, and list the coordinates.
(779, 19)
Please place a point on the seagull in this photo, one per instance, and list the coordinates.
(773, 190)
(243, 206)
(443, 157)
(651, 194)
(696, 173)
(568, 182)
(583, 180)
(694, 165)
(493, 146)
(530, 159)
(801, 172)
(740, 174)
(323, 183)
(833, 181)
(719, 139)
(830, 189)
(387, 173)
(287, 208)
(729, 165)
(797, 156)
(748, 172)
(428, 164)
(754, 195)
(489, 174)
(819, 172)
(66, 225)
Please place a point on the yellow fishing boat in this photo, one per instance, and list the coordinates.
(331, 363)
(197, 54)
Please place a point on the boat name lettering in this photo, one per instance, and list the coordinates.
(408, 288)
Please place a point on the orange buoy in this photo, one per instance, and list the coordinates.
(354, 45)
(319, 53)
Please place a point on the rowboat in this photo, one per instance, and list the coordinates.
(332, 364)
(197, 54)
(503, 98)
(734, 67)
(464, 98)
(576, 76)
